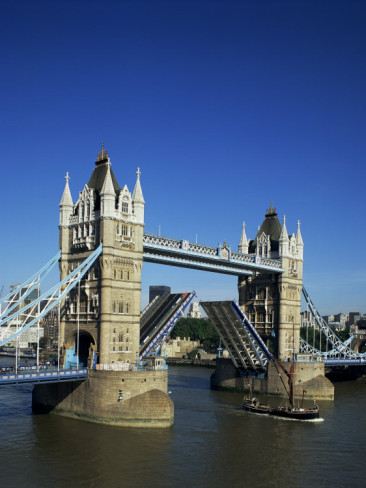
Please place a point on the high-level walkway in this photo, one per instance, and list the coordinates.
(175, 252)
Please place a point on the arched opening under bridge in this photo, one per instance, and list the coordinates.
(86, 343)
(79, 350)
(359, 345)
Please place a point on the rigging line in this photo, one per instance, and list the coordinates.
(279, 374)
(78, 334)
(58, 333)
(38, 307)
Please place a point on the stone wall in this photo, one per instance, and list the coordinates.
(126, 398)
(177, 348)
(308, 376)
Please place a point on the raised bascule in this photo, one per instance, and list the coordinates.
(110, 369)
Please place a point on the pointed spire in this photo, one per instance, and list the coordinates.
(66, 199)
(137, 196)
(107, 195)
(284, 240)
(103, 154)
(284, 234)
(243, 244)
(271, 212)
(138, 202)
(108, 188)
(299, 240)
(66, 205)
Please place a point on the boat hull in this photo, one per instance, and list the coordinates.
(253, 407)
(295, 414)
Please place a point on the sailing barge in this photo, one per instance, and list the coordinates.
(253, 405)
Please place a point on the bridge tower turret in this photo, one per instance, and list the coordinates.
(272, 302)
(104, 311)
(66, 209)
(243, 244)
(290, 290)
(107, 311)
(138, 201)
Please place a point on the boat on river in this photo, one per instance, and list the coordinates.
(296, 413)
(291, 411)
(254, 405)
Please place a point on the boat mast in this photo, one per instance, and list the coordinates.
(292, 369)
(291, 385)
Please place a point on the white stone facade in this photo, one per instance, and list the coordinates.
(177, 348)
(108, 305)
(194, 311)
(272, 302)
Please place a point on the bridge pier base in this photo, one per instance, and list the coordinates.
(124, 398)
(308, 376)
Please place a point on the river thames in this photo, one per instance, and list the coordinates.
(213, 443)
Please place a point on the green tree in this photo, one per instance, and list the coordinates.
(343, 334)
(197, 330)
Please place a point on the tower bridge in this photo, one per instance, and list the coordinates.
(99, 303)
(221, 259)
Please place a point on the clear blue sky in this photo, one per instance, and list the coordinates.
(225, 106)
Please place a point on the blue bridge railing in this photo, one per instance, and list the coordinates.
(43, 376)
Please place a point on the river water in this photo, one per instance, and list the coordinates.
(213, 443)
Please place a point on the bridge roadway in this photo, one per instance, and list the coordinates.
(43, 376)
(246, 348)
(161, 310)
(345, 361)
(158, 322)
(174, 252)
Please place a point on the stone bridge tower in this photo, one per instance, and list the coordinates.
(273, 302)
(104, 311)
(106, 307)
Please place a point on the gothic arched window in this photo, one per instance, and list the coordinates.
(261, 294)
(261, 315)
(251, 314)
(125, 207)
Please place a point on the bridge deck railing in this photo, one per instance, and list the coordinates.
(224, 254)
(43, 376)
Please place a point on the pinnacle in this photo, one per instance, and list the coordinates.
(107, 187)
(66, 199)
(137, 192)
